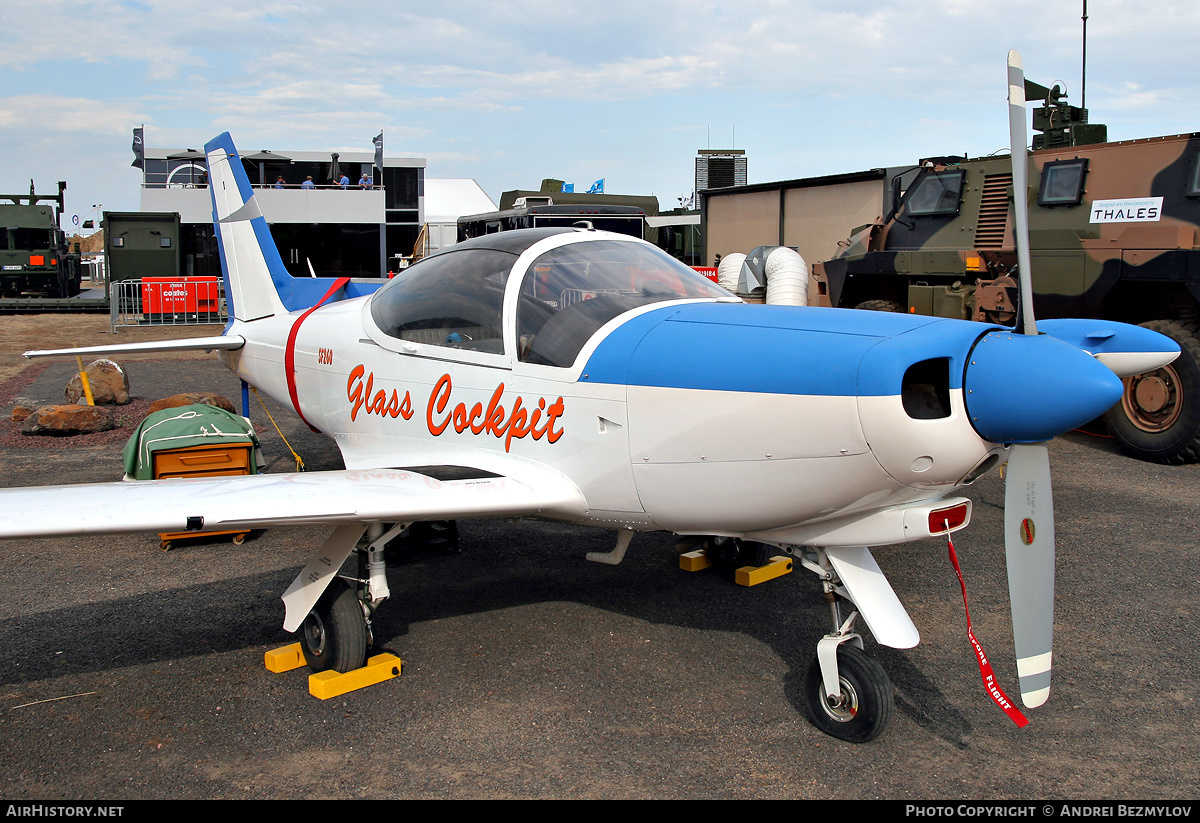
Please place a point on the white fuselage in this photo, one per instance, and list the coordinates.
(644, 457)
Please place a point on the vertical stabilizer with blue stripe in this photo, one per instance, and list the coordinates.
(250, 262)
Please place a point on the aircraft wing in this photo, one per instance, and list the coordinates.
(265, 500)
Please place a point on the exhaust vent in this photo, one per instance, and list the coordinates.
(993, 211)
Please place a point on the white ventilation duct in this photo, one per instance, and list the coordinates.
(729, 271)
(787, 278)
(778, 273)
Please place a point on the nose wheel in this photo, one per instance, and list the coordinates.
(862, 709)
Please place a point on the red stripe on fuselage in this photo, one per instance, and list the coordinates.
(289, 354)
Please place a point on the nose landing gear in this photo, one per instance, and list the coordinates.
(863, 706)
(847, 694)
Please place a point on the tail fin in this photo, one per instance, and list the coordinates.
(250, 262)
(256, 282)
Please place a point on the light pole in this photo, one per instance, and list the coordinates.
(98, 209)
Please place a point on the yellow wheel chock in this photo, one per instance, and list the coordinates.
(325, 685)
(778, 566)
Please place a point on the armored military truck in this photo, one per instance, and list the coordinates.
(1114, 231)
(35, 260)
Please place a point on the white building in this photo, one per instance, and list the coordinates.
(351, 231)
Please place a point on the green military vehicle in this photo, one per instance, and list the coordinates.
(1114, 231)
(35, 261)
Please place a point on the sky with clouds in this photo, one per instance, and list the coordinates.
(509, 93)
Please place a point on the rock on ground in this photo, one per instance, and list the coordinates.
(192, 398)
(108, 381)
(68, 419)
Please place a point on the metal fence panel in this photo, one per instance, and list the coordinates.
(163, 301)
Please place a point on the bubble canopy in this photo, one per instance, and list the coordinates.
(455, 299)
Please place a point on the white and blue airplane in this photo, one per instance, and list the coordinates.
(587, 377)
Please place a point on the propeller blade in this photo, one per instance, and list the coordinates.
(1029, 548)
(1020, 176)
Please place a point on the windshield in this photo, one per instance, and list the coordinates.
(573, 290)
(936, 192)
(451, 299)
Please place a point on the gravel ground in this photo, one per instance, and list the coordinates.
(130, 672)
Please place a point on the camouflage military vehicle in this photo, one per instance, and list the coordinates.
(1114, 234)
(34, 258)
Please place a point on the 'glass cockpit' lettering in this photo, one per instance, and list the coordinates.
(516, 423)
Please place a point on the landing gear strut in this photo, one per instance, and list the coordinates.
(333, 613)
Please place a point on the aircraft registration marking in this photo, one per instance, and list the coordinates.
(517, 422)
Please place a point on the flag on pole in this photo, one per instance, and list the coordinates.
(568, 188)
(597, 187)
(139, 157)
(378, 141)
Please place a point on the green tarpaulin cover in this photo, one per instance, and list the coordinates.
(181, 427)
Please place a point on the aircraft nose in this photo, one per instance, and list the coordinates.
(1026, 389)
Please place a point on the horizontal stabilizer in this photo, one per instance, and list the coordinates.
(223, 343)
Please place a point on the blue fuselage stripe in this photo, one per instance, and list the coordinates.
(777, 349)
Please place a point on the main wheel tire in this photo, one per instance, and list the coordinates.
(334, 635)
(731, 553)
(866, 701)
(1158, 418)
(723, 552)
(881, 305)
(755, 553)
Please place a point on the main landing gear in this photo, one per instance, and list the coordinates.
(335, 633)
(333, 612)
(846, 693)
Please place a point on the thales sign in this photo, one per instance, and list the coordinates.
(1127, 210)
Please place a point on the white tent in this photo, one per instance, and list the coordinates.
(447, 200)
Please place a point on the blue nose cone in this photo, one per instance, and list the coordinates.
(1026, 389)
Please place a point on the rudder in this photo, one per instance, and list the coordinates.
(250, 261)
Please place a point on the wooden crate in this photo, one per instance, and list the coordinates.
(217, 460)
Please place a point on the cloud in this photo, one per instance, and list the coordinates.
(70, 114)
(811, 86)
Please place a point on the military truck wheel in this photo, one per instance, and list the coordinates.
(1158, 418)
(881, 305)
